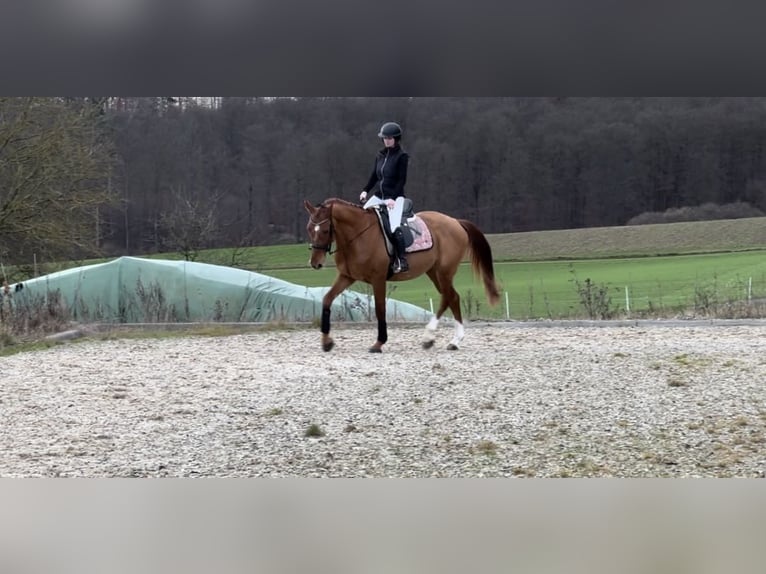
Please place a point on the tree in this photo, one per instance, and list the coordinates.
(509, 164)
(191, 225)
(54, 165)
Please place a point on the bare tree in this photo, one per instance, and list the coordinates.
(191, 225)
(54, 166)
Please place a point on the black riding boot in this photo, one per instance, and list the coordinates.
(400, 265)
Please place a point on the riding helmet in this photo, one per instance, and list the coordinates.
(391, 130)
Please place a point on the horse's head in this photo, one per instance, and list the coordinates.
(319, 229)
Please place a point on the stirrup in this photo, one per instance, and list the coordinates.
(401, 266)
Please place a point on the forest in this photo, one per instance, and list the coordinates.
(110, 176)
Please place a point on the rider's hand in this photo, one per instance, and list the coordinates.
(362, 196)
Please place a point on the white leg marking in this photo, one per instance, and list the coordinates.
(431, 329)
(459, 334)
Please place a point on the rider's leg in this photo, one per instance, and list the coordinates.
(400, 265)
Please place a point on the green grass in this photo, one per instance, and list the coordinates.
(253, 258)
(664, 267)
(548, 289)
(700, 237)
(314, 430)
(25, 347)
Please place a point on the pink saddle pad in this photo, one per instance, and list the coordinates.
(421, 235)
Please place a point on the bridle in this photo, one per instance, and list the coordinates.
(326, 248)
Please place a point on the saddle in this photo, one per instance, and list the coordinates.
(417, 236)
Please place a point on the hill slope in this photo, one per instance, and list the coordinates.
(632, 241)
(687, 238)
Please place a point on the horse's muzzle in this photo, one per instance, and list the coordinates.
(316, 260)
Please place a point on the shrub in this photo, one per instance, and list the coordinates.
(314, 431)
(704, 212)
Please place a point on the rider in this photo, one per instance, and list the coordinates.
(391, 172)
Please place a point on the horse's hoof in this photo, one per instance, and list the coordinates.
(328, 346)
(376, 350)
(428, 344)
(452, 347)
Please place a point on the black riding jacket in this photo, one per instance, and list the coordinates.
(391, 171)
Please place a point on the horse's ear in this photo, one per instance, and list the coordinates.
(307, 205)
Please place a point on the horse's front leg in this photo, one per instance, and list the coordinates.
(339, 285)
(379, 293)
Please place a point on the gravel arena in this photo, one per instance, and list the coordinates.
(613, 399)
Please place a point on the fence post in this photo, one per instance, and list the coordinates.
(507, 308)
(627, 300)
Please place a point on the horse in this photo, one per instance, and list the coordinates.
(361, 255)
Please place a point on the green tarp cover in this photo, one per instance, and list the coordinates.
(135, 290)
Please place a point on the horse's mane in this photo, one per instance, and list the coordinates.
(340, 201)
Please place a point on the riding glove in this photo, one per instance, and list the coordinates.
(363, 196)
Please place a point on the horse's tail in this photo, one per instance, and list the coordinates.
(481, 260)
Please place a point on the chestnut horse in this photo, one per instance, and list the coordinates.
(360, 255)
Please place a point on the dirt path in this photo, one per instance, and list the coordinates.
(607, 400)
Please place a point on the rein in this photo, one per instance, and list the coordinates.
(328, 248)
(355, 237)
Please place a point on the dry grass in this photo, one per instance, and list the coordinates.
(314, 430)
(486, 447)
(630, 241)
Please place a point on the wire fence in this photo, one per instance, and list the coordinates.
(742, 297)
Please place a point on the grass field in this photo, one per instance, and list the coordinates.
(722, 236)
(655, 270)
(668, 269)
(556, 289)
(699, 237)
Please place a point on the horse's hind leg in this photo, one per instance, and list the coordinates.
(454, 344)
(449, 298)
(430, 336)
(453, 300)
